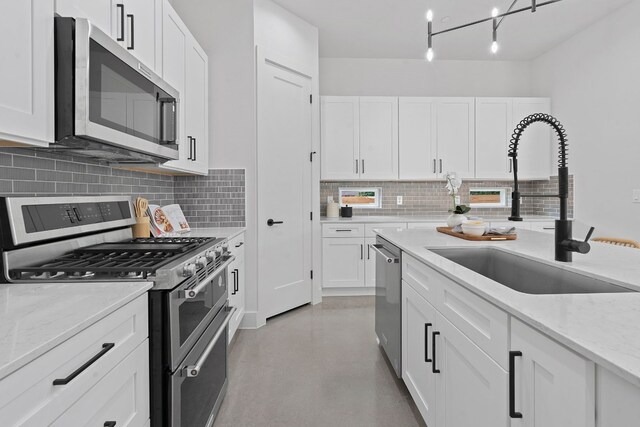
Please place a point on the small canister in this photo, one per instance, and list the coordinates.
(346, 211)
(333, 209)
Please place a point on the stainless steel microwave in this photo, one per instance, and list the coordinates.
(109, 105)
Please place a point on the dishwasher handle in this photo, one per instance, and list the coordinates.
(378, 248)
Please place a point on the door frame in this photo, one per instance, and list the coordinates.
(264, 56)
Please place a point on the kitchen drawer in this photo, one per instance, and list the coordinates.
(420, 277)
(482, 322)
(122, 396)
(368, 228)
(236, 243)
(343, 230)
(428, 225)
(28, 396)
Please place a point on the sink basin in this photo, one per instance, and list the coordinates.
(526, 275)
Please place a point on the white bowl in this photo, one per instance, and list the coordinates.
(473, 229)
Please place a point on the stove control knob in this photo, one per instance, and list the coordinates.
(225, 247)
(218, 252)
(201, 262)
(189, 270)
(210, 255)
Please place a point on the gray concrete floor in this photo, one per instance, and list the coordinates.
(315, 366)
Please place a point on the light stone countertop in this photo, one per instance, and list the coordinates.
(604, 328)
(358, 219)
(224, 232)
(34, 318)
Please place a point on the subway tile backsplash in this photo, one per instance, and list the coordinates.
(30, 172)
(425, 198)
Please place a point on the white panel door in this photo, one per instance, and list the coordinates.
(26, 73)
(418, 324)
(196, 106)
(455, 129)
(343, 263)
(417, 149)
(535, 148)
(379, 138)
(471, 387)
(494, 126)
(284, 188)
(554, 387)
(340, 136)
(143, 29)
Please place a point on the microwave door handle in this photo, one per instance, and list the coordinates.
(193, 370)
(168, 120)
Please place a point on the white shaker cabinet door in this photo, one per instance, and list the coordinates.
(535, 147)
(471, 387)
(27, 73)
(108, 15)
(143, 31)
(196, 105)
(554, 387)
(340, 137)
(455, 130)
(494, 126)
(343, 262)
(417, 147)
(369, 263)
(379, 138)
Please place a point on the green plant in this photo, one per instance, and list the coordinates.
(461, 209)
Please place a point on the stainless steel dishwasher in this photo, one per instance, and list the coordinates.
(389, 302)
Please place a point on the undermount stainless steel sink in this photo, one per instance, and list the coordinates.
(526, 275)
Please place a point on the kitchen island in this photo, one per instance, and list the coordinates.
(601, 328)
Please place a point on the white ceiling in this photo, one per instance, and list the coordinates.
(397, 28)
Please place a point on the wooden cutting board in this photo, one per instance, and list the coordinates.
(485, 238)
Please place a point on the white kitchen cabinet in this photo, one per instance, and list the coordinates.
(343, 262)
(418, 324)
(236, 281)
(340, 137)
(185, 67)
(417, 138)
(378, 138)
(437, 135)
(554, 387)
(369, 263)
(470, 385)
(616, 400)
(108, 15)
(534, 149)
(359, 138)
(27, 73)
(494, 127)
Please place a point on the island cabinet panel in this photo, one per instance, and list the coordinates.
(617, 400)
(471, 387)
(418, 324)
(554, 387)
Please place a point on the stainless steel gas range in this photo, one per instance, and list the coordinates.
(86, 239)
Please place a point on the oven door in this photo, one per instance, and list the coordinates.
(191, 308)
(118, 100)
(199, 384)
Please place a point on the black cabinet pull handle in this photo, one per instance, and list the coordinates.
(131, 44)
(361, 251)
(356, 166)
(190, 147)
(64, 381)
(236, 286)
(434, 334)
(512, 384)
(426, 342)
(109, 424)
(239, 244)
(195, 149)
(120, 6)
(362, 165)
(271, 222)
(235, 279)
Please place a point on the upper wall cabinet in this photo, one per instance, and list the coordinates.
(359, 138)
(135, 24)
(26, 74)
(496, 119)
(436, 137)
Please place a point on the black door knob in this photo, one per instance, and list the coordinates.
(270, 222)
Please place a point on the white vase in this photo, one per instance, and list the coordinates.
(455, 220)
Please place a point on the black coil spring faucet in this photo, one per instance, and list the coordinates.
(565, 244)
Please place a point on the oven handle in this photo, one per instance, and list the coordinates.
(193, 370)
(193, 292)
(386, 258)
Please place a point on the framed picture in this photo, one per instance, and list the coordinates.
(360, 197)
(489, 197)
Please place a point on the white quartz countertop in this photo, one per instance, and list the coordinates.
(423, 218)
(34, 318)
(224, 232)
(602, 327)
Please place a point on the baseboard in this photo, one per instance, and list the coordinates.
(348, 292)
(250, 321)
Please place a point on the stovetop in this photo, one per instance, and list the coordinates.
(129, 259)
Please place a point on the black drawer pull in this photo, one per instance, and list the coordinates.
(512, 384)
(109, 424)
(426, 342)
(239, 244)
(64, 381)
(434, 334)
(131, 45)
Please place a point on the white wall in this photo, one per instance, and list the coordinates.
(594, 81)
(411, 77)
